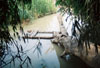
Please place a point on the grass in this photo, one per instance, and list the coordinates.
(39, 8)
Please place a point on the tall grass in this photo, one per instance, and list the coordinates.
(38, 9)
(42, 7)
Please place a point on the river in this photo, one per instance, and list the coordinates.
(49, 54)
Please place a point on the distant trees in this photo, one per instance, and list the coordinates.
(86, 12)
(37, 9)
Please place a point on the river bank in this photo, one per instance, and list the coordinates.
(92, 58)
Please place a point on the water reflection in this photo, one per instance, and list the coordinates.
(48, 57)
(43, 56)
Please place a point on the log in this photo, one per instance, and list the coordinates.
(26, 37)
(45, 32)
(32, 33)
(35, 33)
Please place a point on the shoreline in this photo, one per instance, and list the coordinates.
(88, 59)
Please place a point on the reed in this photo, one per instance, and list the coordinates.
(39, 8)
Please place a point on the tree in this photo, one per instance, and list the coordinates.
(88, 12)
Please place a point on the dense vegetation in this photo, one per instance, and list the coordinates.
(37, 9)
(86, 12)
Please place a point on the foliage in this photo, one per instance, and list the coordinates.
(38, 9)
(42, 7)
(86, 12)
(9, 17)
(24, 12)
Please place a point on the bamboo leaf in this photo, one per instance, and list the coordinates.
(29, 60)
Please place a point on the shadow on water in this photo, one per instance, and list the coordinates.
(41, 53)
(70, 61)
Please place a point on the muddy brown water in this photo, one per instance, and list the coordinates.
(50, 53)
